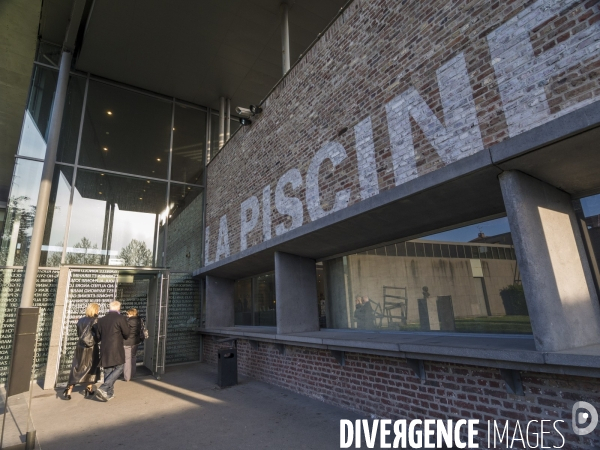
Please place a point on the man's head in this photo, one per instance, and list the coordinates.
(114, 306)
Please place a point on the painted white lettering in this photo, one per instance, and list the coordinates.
(365, 154)
(522, 76)
(247, 224)
(335, 152)
(460, 137)
(266, 204)
(223, 240)
(207, 260)
(501, 436)
(289, 206)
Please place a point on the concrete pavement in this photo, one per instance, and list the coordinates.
(185, 410)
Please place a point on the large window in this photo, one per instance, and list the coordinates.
(255, 301)
(463, 280)
(114, 200)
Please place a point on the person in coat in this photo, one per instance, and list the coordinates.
(112, 331)
(132, 343)
(86, 360)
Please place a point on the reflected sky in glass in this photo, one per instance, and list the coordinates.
(468, 233)
(591, 205)
(32, 142)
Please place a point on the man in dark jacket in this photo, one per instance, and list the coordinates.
(112, 330)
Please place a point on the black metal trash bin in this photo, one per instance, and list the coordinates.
(227, 374)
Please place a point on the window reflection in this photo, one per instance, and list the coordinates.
(462, 280)
(56, 219)
(114, 220)
(37, 115)
(20, 212)
(125, 131)
(255, 301)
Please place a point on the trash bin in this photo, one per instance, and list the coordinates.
(227, 373)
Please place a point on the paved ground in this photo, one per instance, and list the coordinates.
(185, 410)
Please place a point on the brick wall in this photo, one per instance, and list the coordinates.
(386, 387)
(394, 90)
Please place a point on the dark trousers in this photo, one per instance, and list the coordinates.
(111, 374)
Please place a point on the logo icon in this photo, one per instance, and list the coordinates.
(581, 418)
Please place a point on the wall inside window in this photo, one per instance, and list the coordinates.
(255, 302)
(464, 280)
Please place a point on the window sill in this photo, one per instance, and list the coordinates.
(501, 351)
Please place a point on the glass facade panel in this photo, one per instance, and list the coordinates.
(125, 131)
(48, 53)
(56, 220)
(264, 300)
(472, 290)
(114, 220)
(20, 212)
(255, 301)
(37, 115)
(69, 131)
(214, 135)
(184, 238)
(243, 302)
(189, 139)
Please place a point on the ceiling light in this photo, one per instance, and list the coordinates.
(141, 198)
(158, 159)
(100, 193)
(148, 181)
(173, 128)
(105, 149)
(101, 174)
(109, 113)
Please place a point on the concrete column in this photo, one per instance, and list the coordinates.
(285, 38)
(39, 223)
(219, 302)
(296, 294)
(228, 120)
(222, 123)
(562, 302)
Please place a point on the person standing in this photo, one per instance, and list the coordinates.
(112, 330)
(86, 360)
(132, 343)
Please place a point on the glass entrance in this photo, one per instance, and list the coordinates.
(144, 290)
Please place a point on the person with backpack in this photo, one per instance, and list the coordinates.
(137, 330)
(85, 368)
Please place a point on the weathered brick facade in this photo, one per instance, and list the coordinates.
(386, 387)
(394, 90)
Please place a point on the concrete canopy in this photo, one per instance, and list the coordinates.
(198, 50)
